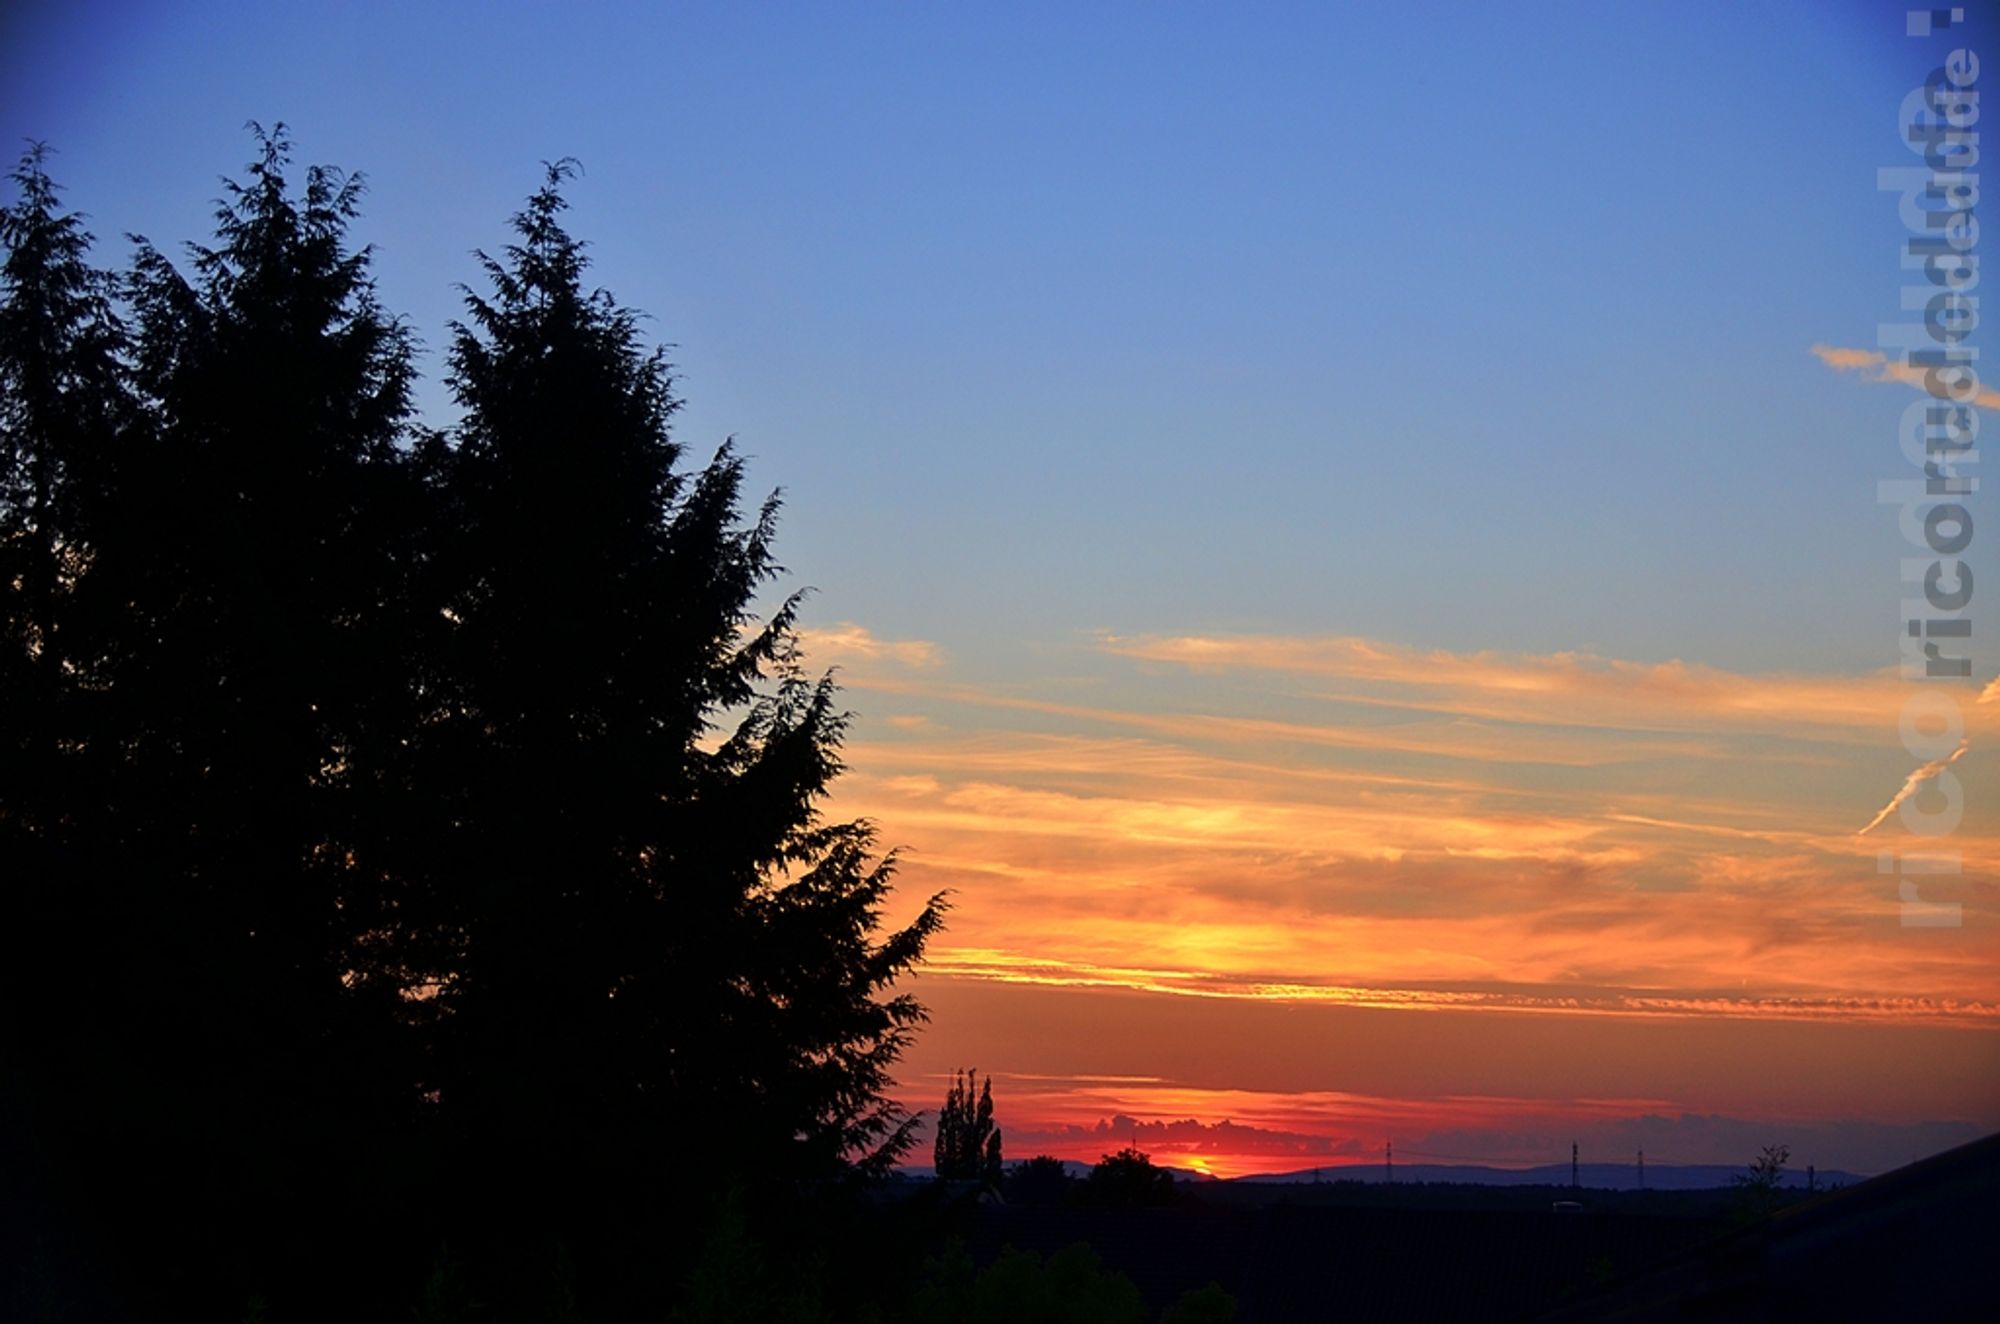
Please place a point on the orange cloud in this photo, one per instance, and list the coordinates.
(1875, 366)
(847, 642)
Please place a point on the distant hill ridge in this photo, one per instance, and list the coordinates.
(1590, 1176)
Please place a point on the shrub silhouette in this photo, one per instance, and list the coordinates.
(1070, 1287)
(1203, 1305)
(1042, 1180)
(1759, 1186)
(1128, 1179)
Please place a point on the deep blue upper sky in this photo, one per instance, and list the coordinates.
(1461, 325)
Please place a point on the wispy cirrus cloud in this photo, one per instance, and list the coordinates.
(1560, 689)
(1471, 738)
(846, 642)
(1570, 998)
(1875, 366)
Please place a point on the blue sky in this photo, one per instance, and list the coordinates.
(1465, 326)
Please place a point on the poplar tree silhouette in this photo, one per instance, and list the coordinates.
(968, 1143)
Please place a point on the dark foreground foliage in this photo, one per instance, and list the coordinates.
(412, 887)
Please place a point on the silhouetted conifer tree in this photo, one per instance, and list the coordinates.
(64, 407)
(228, 642)
(245, 608)
(653, 959)
(63, 404)
(405, 837)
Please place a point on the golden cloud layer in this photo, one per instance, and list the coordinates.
(1394, 827)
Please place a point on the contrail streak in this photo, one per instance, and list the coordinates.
(1913, 781)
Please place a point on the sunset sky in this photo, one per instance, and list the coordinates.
(1350, 532)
